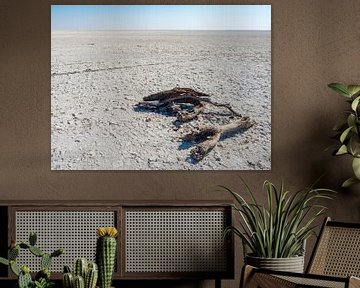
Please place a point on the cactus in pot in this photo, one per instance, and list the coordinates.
(85, 275)
(106, 254)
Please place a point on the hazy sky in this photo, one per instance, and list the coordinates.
(161, 17)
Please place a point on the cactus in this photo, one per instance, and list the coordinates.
(67, 269)
(57, 253)
(80, 267)
(42, 278)
(13, 253)
(89, 272)
(105, 254)
(36, 251)
(79, 282)
(14, 268)
(68, 280)
(45, 261)
(24, 280)
(91, 276)
(32, 239)
(4, 261)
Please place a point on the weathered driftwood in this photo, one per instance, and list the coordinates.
(179, 100)
(166, 99)
(177, 91)
(210, 136)
(187, 116)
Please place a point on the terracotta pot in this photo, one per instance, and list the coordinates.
(291, 264)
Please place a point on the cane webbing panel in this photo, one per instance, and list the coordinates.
(175, 241)
(267, 280)
(313, 282)
(338, 252)
(75, 231)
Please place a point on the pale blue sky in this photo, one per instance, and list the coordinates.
(160, 17)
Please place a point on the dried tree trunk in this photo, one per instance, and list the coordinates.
(210, 136)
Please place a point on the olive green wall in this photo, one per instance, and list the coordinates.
(314, 42)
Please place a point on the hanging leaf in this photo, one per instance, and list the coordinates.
(340, 88)
(345, 134)
(354, 145)
(351, 120)
(353, 89)
(356, 167)
(342, 150)
(355, 103)
(349, 182)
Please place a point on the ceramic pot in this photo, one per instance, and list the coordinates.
(291, 264)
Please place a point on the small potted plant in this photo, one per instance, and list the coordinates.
(348, 132)
(276, 233)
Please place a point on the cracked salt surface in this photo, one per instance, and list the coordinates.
(98, 77)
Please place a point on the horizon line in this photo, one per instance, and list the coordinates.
(96, 30)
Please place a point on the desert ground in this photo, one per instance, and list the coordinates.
(97, 78)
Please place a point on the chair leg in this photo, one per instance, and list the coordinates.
(246, 274)
(217, 283)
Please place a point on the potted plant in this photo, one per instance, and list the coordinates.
(276, 233)
(348, 132)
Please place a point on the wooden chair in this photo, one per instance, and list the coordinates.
(335, 262)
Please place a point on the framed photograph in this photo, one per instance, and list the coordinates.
(160, 87)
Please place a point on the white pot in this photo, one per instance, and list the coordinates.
(291, 264)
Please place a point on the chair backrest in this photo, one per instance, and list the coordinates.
(337, 251)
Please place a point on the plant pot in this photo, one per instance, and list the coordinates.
(291, 264)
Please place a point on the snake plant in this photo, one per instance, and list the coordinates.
(348, 132)
(279, 228)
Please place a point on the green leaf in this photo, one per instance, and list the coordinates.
(353, 89)
(345, 134)
(342, 150)
(355, 103)
(354, 145)
(4, 261)
(351, 120)
(340, 88)
(356, 167)
(349, 182)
